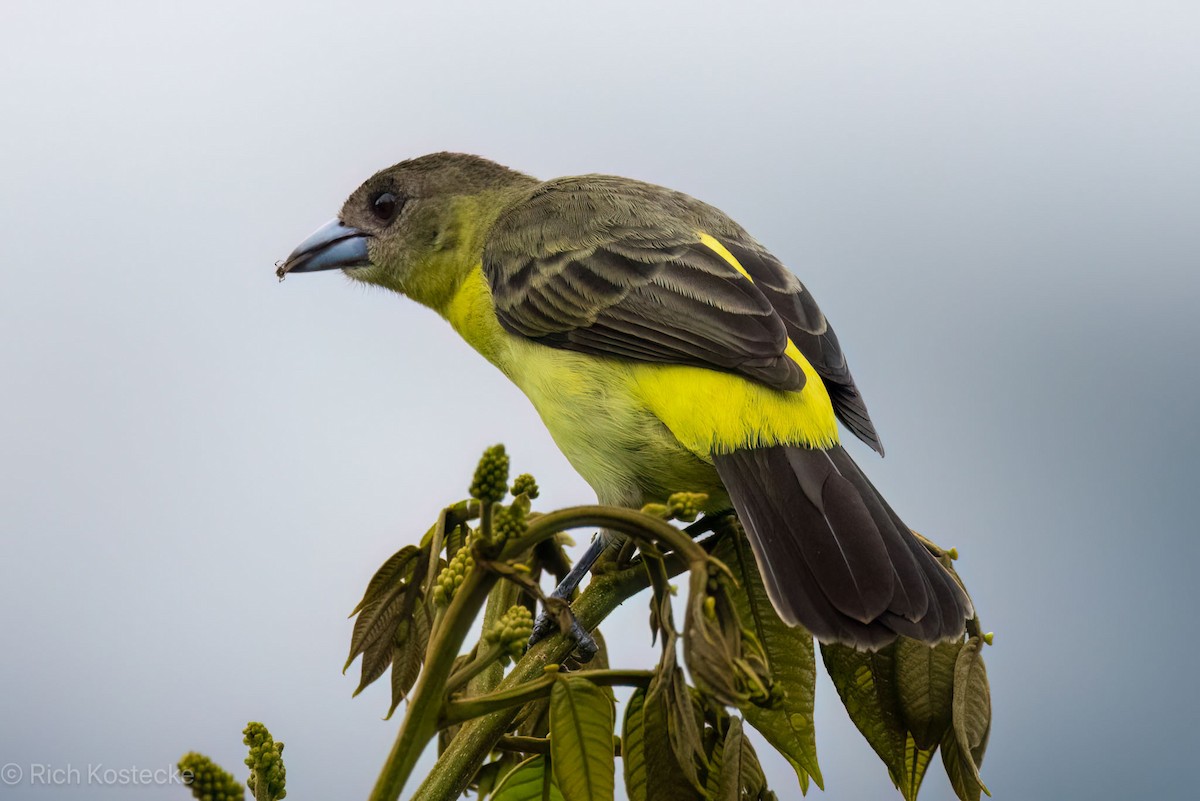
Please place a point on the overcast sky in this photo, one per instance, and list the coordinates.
(996, 203)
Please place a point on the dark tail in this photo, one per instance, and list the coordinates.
(833, 555)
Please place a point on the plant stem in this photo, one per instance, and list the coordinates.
(479, 664)
(525, 745)
(627, 521)
(420, 718)
(475, 740)
(458, 711)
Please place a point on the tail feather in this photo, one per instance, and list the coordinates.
(834, 556)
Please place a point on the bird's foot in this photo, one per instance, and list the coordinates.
(548, 622)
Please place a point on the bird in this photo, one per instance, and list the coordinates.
(665, 350)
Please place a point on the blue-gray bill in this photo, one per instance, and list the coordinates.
(333, 246)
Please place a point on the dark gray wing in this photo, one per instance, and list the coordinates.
(616, 267)
(813, 335)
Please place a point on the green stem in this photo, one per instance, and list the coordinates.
(524, 745)
(458, 711)
(627, 521)
(476, 739)
(477, 666)
(420, 718)
(448, 519)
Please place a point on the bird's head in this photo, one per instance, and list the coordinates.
(416, 228)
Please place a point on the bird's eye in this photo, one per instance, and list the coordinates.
(384, 206)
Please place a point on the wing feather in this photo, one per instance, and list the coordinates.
(616, 267)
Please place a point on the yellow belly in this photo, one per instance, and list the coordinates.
(636, 431)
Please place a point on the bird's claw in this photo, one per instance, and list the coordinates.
(585, 644)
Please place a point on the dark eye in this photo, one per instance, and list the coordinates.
(385, 205)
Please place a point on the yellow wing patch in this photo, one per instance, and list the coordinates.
(715, 412)
(715, 246)
(792, 352)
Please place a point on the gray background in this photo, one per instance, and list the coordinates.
(996, 203)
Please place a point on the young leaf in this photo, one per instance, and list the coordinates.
(389, 573)
(581, 740)
(671, 740)
(716, 767)
(964, 744)
(925, 682)
(633, 754)
(408, 654)
(787, 725)
(916, 759)
(735, 773)
(964, 776)
(866, 683)
(529, 781)
(386, 615)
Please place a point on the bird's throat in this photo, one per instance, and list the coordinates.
(471, 312)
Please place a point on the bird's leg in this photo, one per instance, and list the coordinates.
(566, 588)
(585, 643)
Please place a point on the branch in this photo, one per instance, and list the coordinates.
(469, 749)
(420, 719)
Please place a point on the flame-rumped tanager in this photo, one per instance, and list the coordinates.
(666, 350)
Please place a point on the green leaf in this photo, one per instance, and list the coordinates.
(964, 776)
(581, 740)
(963, 746)
(670, 706)
(671, 739)
(866, 683)
(408, 654)
(633, 754)
(712, 641)
(386, 615)
(916, 760)
(972, 716)
(735, 772)
(787, 724)
(389, 573)
(532, 780)
(925, 682)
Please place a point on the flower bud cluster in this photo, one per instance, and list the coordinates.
(508, 522)
(685, 506)
(452, 575)
(512, 631)
(525, 484)
(490, 483)
(208, 781)
(265, 762)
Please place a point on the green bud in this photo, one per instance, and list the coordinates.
(657, 510)
(685, 506)
(525, 484)
(267, 774)
(207, 780)
(490, 484)
(508, 522)
(511, 631)
(451, 577)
